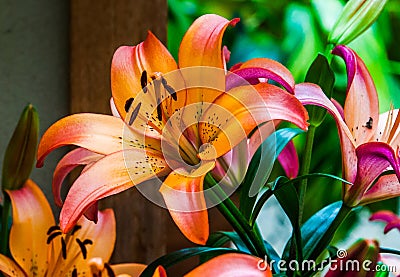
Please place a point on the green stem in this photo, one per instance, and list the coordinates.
(250, 236)
(4, 224)
(305, 169)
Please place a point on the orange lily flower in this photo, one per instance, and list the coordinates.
(232, 265)
(369, 141)
(175, 127)
(38, 246)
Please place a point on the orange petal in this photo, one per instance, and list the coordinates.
(160, 272)
(79, 156)
(98, 133)
(110, 175)
(235, 114)
(102, 236)
(184, 198)
(9, 267)
(31, 215)
(128, 64)
(133, 270)
(232, 265)
(202, 43)
(362, 100)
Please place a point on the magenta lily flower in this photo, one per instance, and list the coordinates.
(151, 143)
(369, 141)
(391, 219)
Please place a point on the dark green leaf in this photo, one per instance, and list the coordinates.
(261, 165)
(320, 73)
(217, 238)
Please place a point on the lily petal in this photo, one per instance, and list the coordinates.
(202, 43)
(232, 265)
(385, 216)
(129, 63)
(289, 160)
(373, 159)
(132, 269)
(243, 113)
(71, 160)
(98, 133)
(311, 94)
(362, 99)
(100, 238)
(183, 195)
(254, 69)
(31, 214)
(110, 175)
(386, 187)
(9, 267)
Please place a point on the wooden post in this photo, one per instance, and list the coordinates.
(97, 29)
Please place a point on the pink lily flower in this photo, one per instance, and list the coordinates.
(369, 141)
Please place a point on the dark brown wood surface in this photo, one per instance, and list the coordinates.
(97, 28)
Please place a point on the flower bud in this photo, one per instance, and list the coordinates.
(359, 260)
(21, 150)
(356, 17)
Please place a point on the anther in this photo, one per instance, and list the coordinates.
(171, 91)
(74, 273)
(143, 81)
(75, 229)
(82, 245)
(159, 112)
(128, 104)
(134, 114)
(52, 236)
(53, 228)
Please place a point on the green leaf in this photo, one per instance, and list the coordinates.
(183, 254)
(320, 73)
(260, 167)
(318, 231)
(21, 150)
(218, 239)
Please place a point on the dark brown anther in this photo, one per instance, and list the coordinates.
(134, 114)
(63, 248)
(171, 91)
(110, 272)
(53, 235)
(53, 228)
(143, 81)
(75, 229)
(163, 81)
(128, 104)
(83, 248)
(368, 124)
(159, 112)
(74, 273)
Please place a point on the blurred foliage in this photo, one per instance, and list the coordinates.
(293, 33)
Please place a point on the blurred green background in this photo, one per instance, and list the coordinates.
(293, 32)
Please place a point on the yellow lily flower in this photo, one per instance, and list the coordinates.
(39, 248)
(175, 128)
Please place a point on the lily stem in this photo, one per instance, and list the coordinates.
(5, 215)
(250, 235)
(305, 169)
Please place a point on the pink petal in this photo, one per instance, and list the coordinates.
(362, 100)
(310, 94)
(289, 160)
